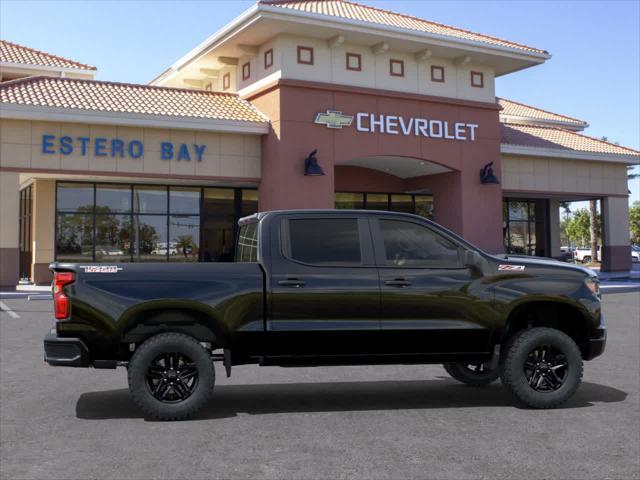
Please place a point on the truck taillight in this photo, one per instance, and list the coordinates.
(61, 305)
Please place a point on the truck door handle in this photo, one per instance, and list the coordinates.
(398, 282)
(291, 282)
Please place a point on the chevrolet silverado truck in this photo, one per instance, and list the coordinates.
(330, 287)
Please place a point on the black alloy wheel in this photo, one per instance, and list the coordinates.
(546, 369)
(172, 377)
(475, 374)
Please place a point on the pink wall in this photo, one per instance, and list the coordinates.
(460, 201)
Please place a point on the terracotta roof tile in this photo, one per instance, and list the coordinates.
(516, 109)
(559, 139)
(355, 11)
(14, 53)
(127, 98)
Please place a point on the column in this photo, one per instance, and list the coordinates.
(9, 222)
(554, 228)
(616, 249)
(44, 200)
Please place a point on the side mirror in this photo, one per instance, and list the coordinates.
(473, 260)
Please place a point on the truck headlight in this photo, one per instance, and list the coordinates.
(593, 284)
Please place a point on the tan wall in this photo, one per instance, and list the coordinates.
(330, 67)
(563, 176)
(9, 213)
(9, 210)
(226, 154)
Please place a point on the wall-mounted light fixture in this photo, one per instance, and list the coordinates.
(311, 167)
(487, 175)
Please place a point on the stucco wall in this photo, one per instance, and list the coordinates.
(226, 154)
(537, 174)
(9, 221)
(329, 66)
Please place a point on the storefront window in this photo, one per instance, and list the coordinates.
(525, 229)
(148, 199)
(249, 202)
(113, 237)
(73, 196)
(184, 234)
(148, 223)
(408, 203)
(74, 236)
(346, 201)
(113, 198)
(218, 226)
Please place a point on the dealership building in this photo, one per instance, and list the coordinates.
(401, 113)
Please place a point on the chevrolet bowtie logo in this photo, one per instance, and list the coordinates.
(334, 119)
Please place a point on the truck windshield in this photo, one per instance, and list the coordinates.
(247, 247)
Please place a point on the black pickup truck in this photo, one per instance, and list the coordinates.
(330, 287)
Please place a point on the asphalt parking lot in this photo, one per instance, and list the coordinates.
(356, 422)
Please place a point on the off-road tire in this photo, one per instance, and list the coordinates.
(462, 373)
(142, 360)
(519, 348)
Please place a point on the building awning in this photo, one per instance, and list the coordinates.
(66, 99)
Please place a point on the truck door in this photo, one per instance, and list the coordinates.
(324, 288)
(430, 302)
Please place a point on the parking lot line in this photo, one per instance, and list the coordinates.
(4, 308)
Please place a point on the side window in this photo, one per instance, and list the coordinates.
(325, 241)
(247, 248)
(411, 245)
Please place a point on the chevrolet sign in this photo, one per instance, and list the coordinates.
(334, 119)
(399, 125)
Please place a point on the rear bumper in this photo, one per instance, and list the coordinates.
(596, 344)
(65, 352)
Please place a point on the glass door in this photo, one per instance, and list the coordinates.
(26, 213)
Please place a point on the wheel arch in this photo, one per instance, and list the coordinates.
(563, 316)
(193, 319)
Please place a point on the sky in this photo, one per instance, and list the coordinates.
(593, 75)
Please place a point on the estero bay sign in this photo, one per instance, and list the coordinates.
(399, 125)
(116, 147)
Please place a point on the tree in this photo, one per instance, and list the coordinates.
(579, 227)
(634, 222)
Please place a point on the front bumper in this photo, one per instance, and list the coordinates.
(65, 352)
(596, 344)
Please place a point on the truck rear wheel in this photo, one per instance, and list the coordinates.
(474, 374)
(542, 367)
(171, 376)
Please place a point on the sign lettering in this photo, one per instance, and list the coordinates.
(367, 122)
(116, 147)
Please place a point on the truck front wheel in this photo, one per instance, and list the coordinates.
(474, 374)
(542, 367)
(171, 376)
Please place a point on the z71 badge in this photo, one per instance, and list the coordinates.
(510, 268)
(100, 268)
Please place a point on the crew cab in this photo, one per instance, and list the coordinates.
(330, 287)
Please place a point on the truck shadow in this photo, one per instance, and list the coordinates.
(262, 399)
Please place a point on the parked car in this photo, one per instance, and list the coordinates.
(334, 287)
(635, 253)
(583, 255)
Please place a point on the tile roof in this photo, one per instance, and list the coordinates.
(14, 53)
(354, 11)
(559, 139)
(516, 109)
(127, 98)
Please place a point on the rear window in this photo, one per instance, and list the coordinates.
(325, 241)
(247, 248)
